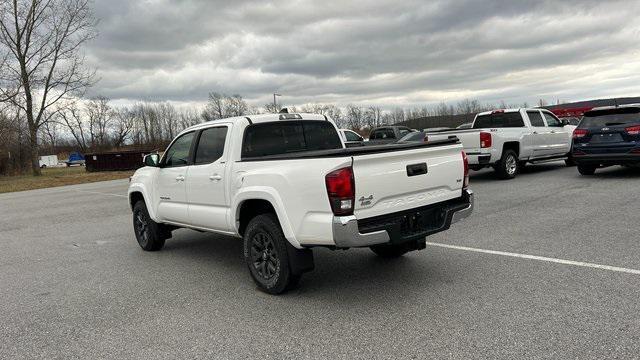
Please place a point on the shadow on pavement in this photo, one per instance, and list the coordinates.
(345, 277)
(487, 175)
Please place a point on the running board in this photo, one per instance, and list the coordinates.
(543, 161)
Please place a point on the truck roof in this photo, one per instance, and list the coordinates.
(262, 118)
(509, 110)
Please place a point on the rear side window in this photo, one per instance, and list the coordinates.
(616, 117)
(414, 136)
(276, 138)
(352, 136)
(404, 132)
(380, 134)
(551, 120)
(211, 145)
(499, 120)
(535, 118)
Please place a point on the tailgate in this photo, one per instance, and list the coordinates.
(401, 180)
(470, 139)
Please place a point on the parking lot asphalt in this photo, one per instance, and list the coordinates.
(75, 284)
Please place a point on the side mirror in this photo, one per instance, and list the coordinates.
(564, 122)
(152, 160)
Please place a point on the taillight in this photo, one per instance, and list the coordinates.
(633, 130)
(579, 133)
(341, 190)
(426, 138)
(465, 161)
(485, 140)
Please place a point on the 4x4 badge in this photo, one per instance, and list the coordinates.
(364, 201)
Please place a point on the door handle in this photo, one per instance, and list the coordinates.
(535, 133)
(553, 131)
(215, 177)
(180, 178)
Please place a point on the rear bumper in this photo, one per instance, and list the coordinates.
(606, 159)
(478, 158)
(403, 226)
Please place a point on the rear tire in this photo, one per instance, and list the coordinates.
(150, 234)
(586, 170)
(508, 166)
(390, 251)
(265, 253)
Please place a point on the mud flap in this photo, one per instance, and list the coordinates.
(300, 260)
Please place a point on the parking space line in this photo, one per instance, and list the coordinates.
(539, 258)
(100, 193)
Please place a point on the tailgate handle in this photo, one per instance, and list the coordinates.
(416, 169)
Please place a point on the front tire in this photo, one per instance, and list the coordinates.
(149, 233)
(507, 167)
(586, 170)
(265, 252)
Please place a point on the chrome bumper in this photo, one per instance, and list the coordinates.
(466, 212)
(346, 233)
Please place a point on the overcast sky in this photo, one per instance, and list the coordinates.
(393, 53)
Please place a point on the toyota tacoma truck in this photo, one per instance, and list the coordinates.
(508, 139)
(285, 184)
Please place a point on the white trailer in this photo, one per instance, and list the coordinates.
(48, 161)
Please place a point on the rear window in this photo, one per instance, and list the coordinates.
(380, 134)
(285, 137)
(499, 120)
(415, 136)
(614, 117)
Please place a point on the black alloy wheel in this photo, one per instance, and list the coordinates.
(264, 255)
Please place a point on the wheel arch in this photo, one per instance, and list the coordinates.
(136, 193)
(511, 145)
(251, 203)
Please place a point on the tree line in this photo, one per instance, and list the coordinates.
(43, 80)
(98, 125)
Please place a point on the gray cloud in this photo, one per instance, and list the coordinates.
(388, 52)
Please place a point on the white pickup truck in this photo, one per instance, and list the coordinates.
(286, 183)
(508, 139)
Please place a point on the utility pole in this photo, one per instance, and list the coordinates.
(275, 105)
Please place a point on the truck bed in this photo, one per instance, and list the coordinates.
(355, 151)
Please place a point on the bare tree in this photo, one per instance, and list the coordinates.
(235, 106)
(271, 108)
(215, 108)
(122, 126)
(42, 40)
(99, 115)
(374, 115)
(71, 116)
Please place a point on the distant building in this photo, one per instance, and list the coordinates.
(577, 109)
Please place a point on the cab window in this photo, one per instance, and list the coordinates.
(552, 121)
(535, 118)
(498, 119)
(380, 134)
(283, 137)
(403, 132)
(351, 136)
(210, 145)
(178, 152)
